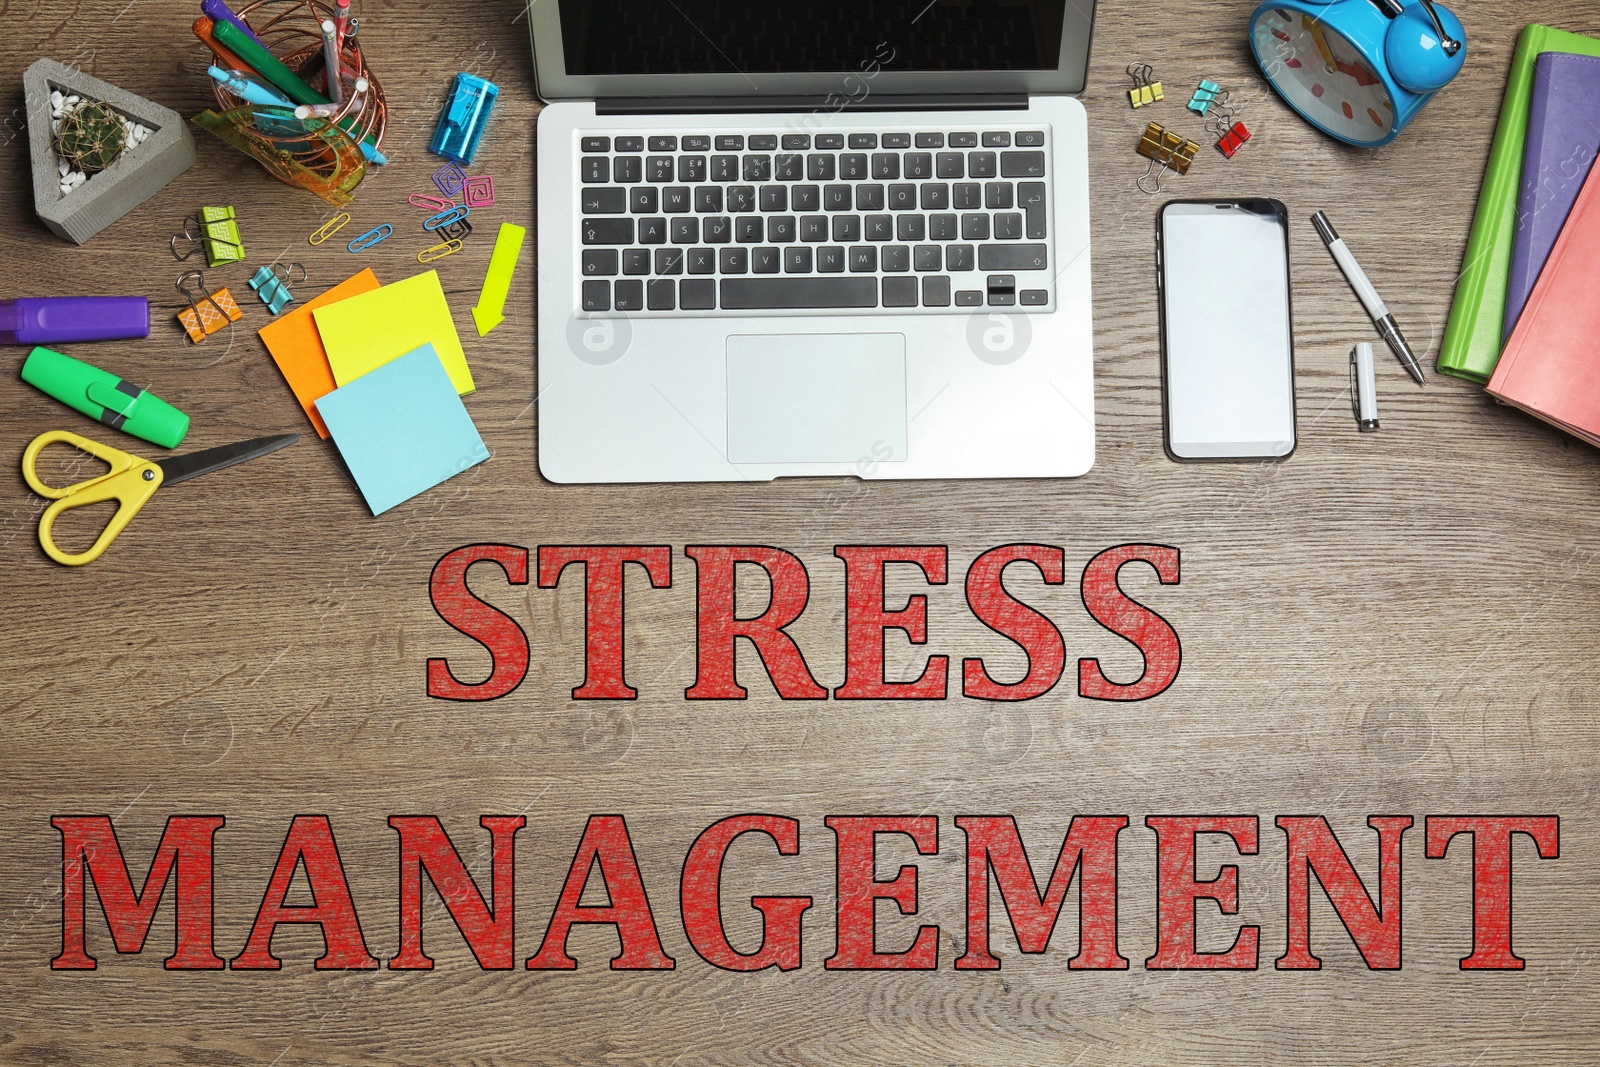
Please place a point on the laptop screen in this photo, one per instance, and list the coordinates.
(612, 37)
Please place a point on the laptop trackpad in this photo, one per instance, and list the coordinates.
(817, 398)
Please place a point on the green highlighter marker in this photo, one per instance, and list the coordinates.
(106, 397)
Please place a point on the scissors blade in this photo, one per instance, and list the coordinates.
(195, 464)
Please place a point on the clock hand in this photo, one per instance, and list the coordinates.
(1315, 28)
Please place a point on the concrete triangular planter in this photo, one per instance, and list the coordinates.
(121, 187)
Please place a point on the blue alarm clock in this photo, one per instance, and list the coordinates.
(1358, 70)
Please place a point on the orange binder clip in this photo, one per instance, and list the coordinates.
(207, 312)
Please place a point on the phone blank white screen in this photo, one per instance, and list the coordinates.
(1230, 376)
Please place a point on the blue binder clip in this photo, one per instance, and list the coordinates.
(466, 114)
(273, 288)
(1204, 97)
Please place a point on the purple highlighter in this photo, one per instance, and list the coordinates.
(45, 320)
(217, 11)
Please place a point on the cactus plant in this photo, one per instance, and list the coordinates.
(92, 137)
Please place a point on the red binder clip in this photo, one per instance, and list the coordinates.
(1233, 139)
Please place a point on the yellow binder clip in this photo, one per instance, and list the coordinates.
(1146, 90)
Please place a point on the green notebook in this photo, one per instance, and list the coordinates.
(1472, 340)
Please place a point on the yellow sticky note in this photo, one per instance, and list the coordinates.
(365, 332)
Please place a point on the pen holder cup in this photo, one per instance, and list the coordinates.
(320, 156)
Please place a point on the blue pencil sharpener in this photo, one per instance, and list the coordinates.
(466, 115)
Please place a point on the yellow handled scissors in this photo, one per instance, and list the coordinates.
(131, 482)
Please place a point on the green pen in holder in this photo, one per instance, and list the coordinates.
(118, 404)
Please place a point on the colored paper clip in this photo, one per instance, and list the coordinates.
(331, 227)
(1165, 149)
(207, 312)
(459, 230)
(1233, 139)
(273, 287)
(449, 179)
(1203, 97)
(371, 237)
(430, 203)
(479, 191)
(445, 218)
(449, 248)
(1146, 90)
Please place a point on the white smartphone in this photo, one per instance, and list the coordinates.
(1226, 338)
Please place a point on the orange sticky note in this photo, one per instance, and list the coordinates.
(296, 346)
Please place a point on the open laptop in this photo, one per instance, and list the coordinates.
(813, 237)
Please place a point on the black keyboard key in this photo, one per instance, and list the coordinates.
(611, 201)
(896, 259)
(863, 140)
(764, 260)
(796, 141)
(847, 228)
(918, 165)
(708, 198)
(926, 258)
(718, 230)
(702, 261)
(1013, 257)
(675, 199)
(997, 195)
(659, 168)
(885, 166)
(1001, 139)
(981, 164)
(806, 198)
(652, 231)
(644, 200)
(686, 231)
(966, 196)
(597, 295)
(958, 257)
(1008, 226)
(1021, 164)
(724, 168)
(836, 198)
(636, 261)
(663, 144)
(974, 227)
(910, 228)
(663, 294)
(699, 294)
(830, 259)
(869, 197)
(789, 168)
(730, 142)
(669, 261)
(902, 197)
(897, 140)
(733, 260)
(691, 168)
(936, 291)
(741, 198)
(969, 298)
(899, 292)
(763, 142)
(1030, 198)
(1030, 139)
(748, 229)
(599, 262)
(797, 260)
(596, 144)
(935, 196)
(878, 227)
(596, 170)
(963, 140)
(950, 165)
(813, 228)
(626, 170)
(775, 198)
(1035, 297)
(785, 293)
(697, 143)
(819, 168)
(630, 144)
(930, 140)
(864, 259)
(942, 227)
(780, 229)
(830, 140)
(630, 294)
(757, 168)
(607, 231)
(853, 166)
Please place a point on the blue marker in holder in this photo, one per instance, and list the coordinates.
(466, 114)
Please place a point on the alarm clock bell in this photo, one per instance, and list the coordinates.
(1358, 70)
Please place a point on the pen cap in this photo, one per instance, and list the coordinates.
(61, 319)
(100, 395)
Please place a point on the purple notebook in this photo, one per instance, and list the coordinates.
(1563, 139)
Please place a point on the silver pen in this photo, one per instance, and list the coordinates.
(1369, 296)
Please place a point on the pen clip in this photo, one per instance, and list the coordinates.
(1355, 388)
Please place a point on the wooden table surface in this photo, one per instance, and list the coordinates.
(1399, 622)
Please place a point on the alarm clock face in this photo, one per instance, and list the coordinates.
(1323, 75)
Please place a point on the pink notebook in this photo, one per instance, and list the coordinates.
(1551, 364)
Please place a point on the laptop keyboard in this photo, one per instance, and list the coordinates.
(912, 220)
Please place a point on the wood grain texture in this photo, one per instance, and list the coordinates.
(1399, 622)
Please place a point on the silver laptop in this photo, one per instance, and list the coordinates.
(782, 238)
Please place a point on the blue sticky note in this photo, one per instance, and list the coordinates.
(402, 429)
